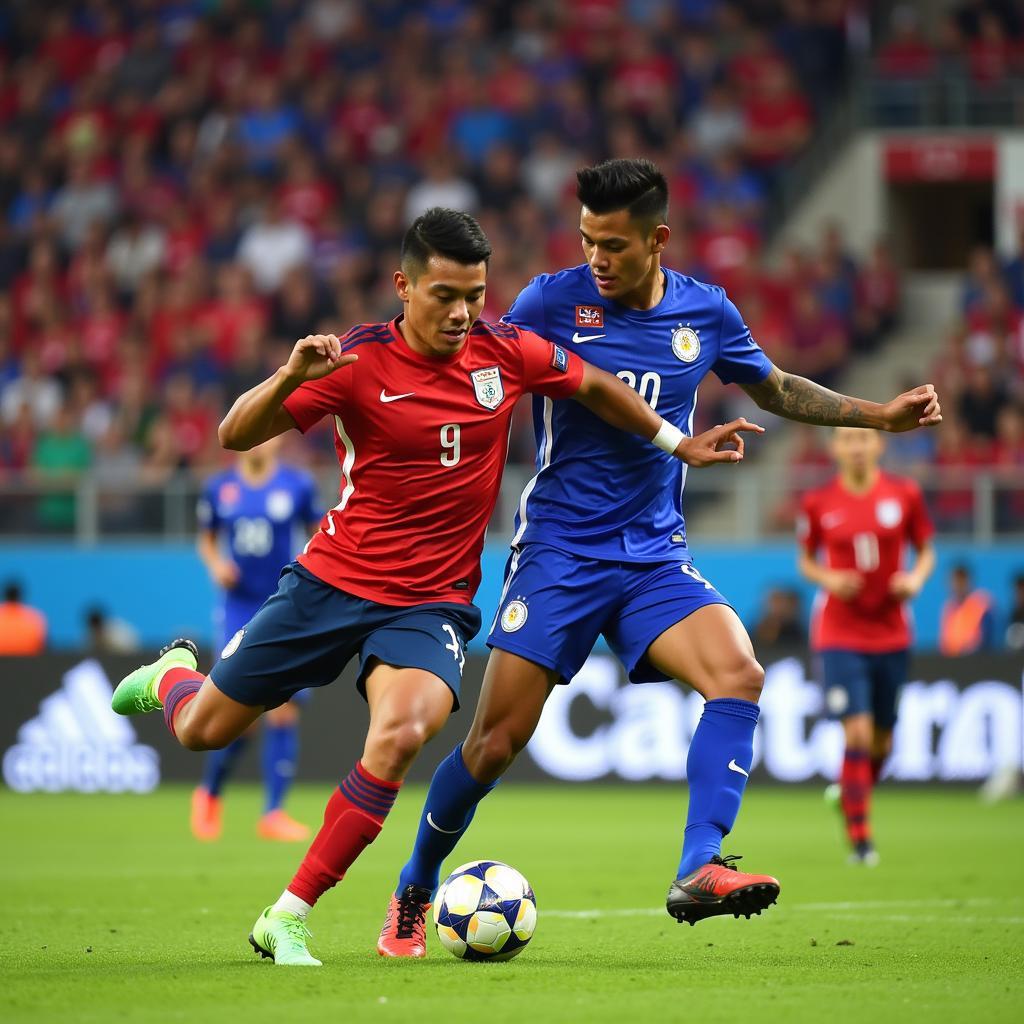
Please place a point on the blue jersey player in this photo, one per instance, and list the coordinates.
(249, 517)
(600, 545)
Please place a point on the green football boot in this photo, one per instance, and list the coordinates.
(281, 935)
(137, 692)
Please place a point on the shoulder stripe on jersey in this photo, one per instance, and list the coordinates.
(346, 475)
(502, 330)
(547, 442)
(364, 333)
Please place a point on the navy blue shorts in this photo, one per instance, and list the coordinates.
(232, 617)
(307, 632)
(555, 605)
(858, 684)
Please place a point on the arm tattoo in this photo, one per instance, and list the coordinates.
(797, 398)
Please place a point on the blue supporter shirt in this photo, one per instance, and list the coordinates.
(258, 526)
(600, 492)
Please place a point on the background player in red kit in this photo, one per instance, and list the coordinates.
(421, 426)
(863, 519)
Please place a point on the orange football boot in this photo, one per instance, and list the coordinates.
(404, 931)
(281, 828)
(718, 887)
(206, 816)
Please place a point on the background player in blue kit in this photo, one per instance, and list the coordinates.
(249, 520)
(600, 545)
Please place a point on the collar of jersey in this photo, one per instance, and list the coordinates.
(416, 357)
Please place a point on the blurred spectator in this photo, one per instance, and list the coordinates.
(981, 401)
(136, 249)
(967, 616)
(61, 455)
(22, 628)
(107, 634)
(82, 201)
(441, 186)
(781, 621)
(273, 245)
(33, 389)
(1015, 624)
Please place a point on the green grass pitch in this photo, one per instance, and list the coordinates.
(113, 913)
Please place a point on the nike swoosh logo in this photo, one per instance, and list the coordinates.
(437, 828)
(385, 397)
(580, 338)
(734, 767)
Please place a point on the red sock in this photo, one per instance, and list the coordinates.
(352, 820)
(177, 687)
(855, 794)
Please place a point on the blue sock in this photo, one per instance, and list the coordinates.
(723, 742)
(219, 764)
(280, 756)
(450, 806)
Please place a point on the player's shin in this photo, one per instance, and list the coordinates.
(177, 689)
(353, 818)
(447, 812)
(717, 769)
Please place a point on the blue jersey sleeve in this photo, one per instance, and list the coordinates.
(528, 309)
(206, 506)
(740, 359)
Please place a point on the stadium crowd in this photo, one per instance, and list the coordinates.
(187, 188)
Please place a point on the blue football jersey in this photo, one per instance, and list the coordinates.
(258, 525)
(600, 492)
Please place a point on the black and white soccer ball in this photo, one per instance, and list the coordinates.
(485, 910)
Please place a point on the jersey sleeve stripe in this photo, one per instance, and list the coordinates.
(545, 460)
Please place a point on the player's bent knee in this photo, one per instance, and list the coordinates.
(397, 744)
(743, 681)
(490, 755)
(208, 735)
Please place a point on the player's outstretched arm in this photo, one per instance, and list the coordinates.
(797, 398)
(608, 397)
(258, 415)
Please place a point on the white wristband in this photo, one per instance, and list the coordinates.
(668, 437)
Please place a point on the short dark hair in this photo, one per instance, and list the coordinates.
(443, 232)
(13, 591)
(634, 185)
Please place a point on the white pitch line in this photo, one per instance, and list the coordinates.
(811, 907)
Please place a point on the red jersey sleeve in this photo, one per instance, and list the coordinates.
(310, 402)
(919, 523)
(549, 369)
(808, 526)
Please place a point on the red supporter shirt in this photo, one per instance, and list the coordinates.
(422, 443)
(867, 532)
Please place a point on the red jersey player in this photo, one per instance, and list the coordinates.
(864, 519)
(421, 426)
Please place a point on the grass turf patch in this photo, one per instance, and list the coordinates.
(114, 913)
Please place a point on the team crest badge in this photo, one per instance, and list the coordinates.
(233, 644)
(514, 616)
(490, 392)
(279, 505)
(589, 316)
(685, 344)
(888, 513)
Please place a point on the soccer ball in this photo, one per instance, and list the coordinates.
(485, 910)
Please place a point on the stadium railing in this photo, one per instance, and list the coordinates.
(976, 504)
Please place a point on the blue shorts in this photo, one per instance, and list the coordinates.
(858, 684)
(307, 632)
(555, 605)
(232, 617)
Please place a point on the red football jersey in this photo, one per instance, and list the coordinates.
(867, 532)
(422, 443)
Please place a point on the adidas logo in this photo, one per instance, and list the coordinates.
(76, 742)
